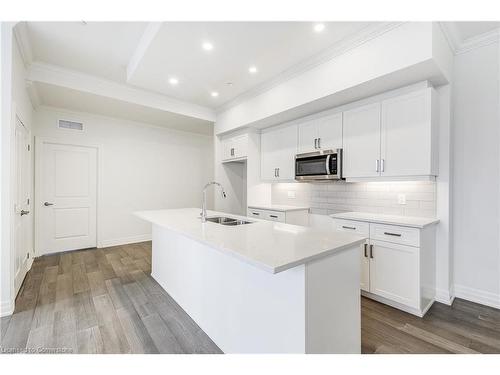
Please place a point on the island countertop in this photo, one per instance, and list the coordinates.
(271, 246)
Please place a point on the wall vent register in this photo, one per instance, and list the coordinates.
(70, 125)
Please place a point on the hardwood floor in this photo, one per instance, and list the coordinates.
(105, 301)
(100, 301)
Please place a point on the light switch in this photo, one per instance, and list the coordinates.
(401, 198)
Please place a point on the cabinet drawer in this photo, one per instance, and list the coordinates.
(275, 216)
(259, 214)
(357, 227)
(395, 234)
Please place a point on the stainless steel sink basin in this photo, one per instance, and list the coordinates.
(227, 220)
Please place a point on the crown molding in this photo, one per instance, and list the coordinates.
(459, 46)
(59, 76)
(479, 41)
(363, 36)
(23, 41)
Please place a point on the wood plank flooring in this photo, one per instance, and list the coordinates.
(99, 301)
(105, 301)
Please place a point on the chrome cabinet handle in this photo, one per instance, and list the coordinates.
(319, 142)
(382, 165)
(371, 251)
(392, 234)
(46, 204)
(278, 172)
(346, 227)
(316, 143)
(377, 165)
(366, 248)
(23, 212)
(255, 213)
(273, 216)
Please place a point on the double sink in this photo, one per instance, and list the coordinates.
(227, 220)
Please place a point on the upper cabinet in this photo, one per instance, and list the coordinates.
(361, 152)
(395, 138)
(278, 149)
(408, 142)
(320, 134)
(234, 148)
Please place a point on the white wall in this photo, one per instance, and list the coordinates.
(140, 167)
(476, 176)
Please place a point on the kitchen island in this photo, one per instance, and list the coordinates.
(261, 287)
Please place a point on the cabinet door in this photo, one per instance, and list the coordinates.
(240, 144)
(278, 148)
(406, 136)
(330, 132)
(362, 141)
(308, 133)
(394, 272)
(364, 283)
(226, 146)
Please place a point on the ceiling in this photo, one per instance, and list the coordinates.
(174, 50)
(467, 30)
(105, 49)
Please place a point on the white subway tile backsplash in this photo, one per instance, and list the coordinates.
(376, 197)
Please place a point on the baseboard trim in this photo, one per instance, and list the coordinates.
(444, 296)
(6, 308)
(124, 240)
(478, 296)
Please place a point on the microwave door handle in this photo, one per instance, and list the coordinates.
(327, 164)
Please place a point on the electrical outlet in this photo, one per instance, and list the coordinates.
(291, 194)
(401, 198)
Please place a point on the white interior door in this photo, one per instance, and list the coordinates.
(68, 197)
(22, 227)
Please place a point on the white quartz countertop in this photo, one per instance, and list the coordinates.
(271, 246)
(278, 207)
(406, 221)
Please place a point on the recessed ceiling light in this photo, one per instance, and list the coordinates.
(214, 94)
(207, 46)
(173, 81)
(252, 69)
(319, 27)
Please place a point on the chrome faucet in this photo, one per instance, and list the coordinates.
(203, 213)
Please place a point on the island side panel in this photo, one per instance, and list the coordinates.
(333, 303)
(241, 307)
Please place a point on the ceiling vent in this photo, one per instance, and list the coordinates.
(70, 125)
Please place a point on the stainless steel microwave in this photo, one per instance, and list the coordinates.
(319, 165)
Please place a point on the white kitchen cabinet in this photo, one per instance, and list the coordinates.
(361, 153)
(324, 133)
(235, 148)
(397, 264)
(408, 139)
(362, 229)
(396, 137)
(278, 149)
(281, 214)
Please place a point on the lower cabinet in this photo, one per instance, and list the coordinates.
(397, 264)
(296, 217)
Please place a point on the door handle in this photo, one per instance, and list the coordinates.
(319, 142)
(366, 248)
(376, 165)
(382, 165)
(278, 171)
(315, 143)
(46, 204)
(371, 251)
(23, 212)
(392, 234)
(346, 227)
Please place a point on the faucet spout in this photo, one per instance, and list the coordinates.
(203, 214)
